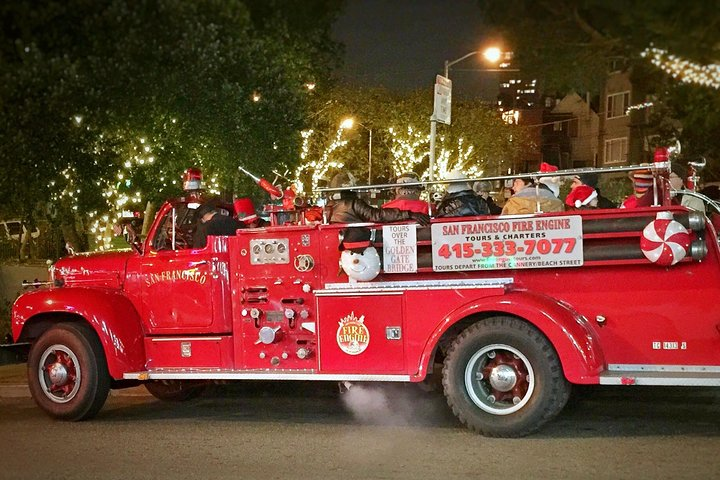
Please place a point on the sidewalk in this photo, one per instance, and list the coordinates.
(13, 383)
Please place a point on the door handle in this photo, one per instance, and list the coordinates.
(195, 264)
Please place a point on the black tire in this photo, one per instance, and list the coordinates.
(503, 378)
(175, 390)
(67, 372)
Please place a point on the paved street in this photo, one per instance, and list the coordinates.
(302, 430)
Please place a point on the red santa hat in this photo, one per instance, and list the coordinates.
(245, 210)
(581, 196)
(553, 183)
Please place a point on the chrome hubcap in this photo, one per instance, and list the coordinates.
(59, 373)
(503, 378)
(499, 379)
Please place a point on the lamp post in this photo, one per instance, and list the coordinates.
(492, 55)
(349, 123)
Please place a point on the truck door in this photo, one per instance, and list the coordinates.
(179, 284)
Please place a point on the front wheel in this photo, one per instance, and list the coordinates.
(67, 372)
(502, 378)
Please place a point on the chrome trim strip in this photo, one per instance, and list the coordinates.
(255, 375)
(416, 285)
(650, 379)
(641, 368)
(187, 339)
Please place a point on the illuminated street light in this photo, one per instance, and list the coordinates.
(492, 54)
(255, 97)
(349, 123)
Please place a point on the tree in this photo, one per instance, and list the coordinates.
(104, 100)
(568, 43)
(478, 142)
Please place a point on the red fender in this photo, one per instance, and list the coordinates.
(573, 338)
(111, 314)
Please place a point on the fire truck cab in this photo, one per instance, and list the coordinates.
(509, 310)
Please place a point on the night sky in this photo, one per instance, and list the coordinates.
(403, 44)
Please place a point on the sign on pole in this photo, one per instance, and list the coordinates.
(443, 99)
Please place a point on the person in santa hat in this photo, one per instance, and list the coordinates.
(534, 197)
(582, 197)
(246, 213)
(591, 180)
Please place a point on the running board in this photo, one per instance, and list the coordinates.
(661, 378)
(215, 374)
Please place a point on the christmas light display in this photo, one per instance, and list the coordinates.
(682, 69)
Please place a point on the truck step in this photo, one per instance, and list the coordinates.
(215, 374)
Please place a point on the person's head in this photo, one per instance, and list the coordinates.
(642, 182)
(482, 188)
(340, 180)
(520, 183)
(205, 212)
(589, 179)
(582, 196)
(245, 210)
(409, 192)
(457, 186)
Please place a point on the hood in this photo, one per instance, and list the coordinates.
(98, 269)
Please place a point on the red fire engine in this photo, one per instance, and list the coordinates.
(510, 311)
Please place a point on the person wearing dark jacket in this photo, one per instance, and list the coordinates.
(460, 199)
(346, 207)
(211, 222)
(482, 190)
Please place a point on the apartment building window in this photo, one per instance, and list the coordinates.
(616, 150)
(617, 104)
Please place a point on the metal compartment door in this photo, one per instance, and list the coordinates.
(361, 333)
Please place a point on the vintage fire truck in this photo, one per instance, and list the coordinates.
(510, 311)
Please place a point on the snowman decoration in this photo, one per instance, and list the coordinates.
(359, 259)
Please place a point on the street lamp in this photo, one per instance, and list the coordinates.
(443, 88)
(349, 123)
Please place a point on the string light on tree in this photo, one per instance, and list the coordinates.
(684, 70)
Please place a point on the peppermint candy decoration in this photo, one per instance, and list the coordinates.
(665, 241)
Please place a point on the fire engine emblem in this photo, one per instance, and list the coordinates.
(352, 335)
(664, 241)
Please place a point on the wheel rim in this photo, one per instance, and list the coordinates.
(499, 379)
(59, 373)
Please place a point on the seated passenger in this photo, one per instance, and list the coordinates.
(346, 207)
(246, 213)
(643, 190)
(591, 180)
(211, 222)
(582, 197)
(460, 199)
(408, 197)
(531, 197)
(482, 190)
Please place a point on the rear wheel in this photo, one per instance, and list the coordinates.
(175, 390)
(67, 372)
(502, 378)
